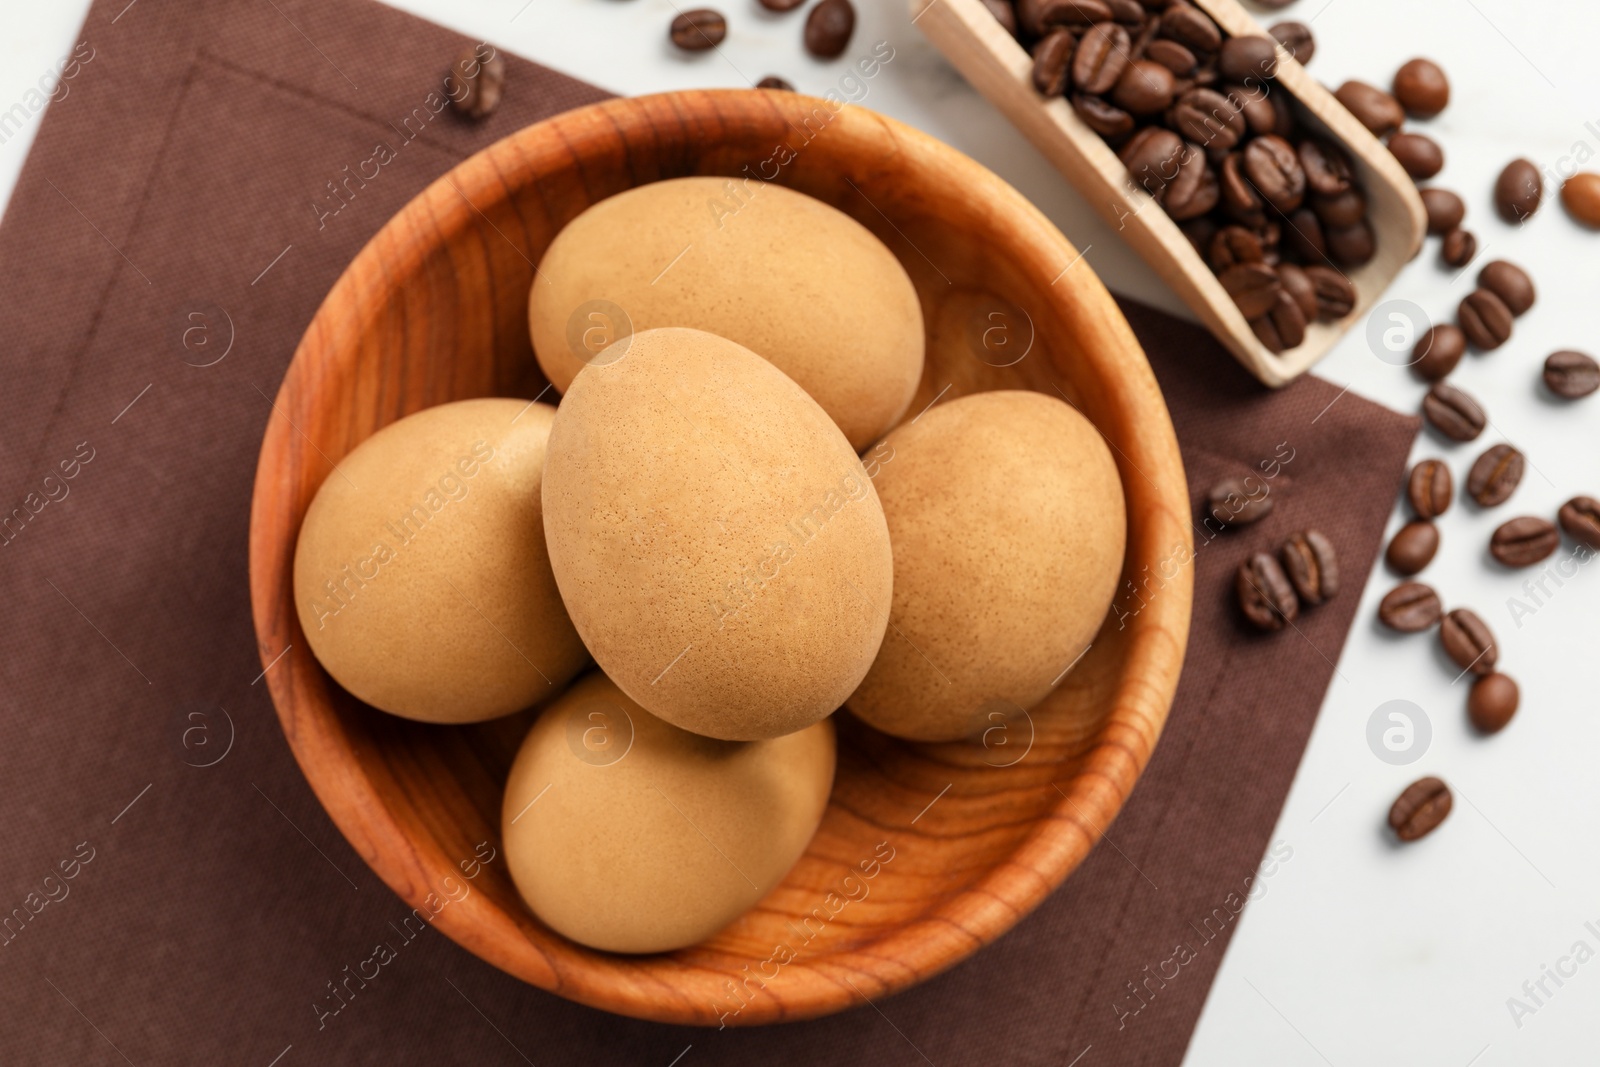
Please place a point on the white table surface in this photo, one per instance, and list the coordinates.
(1359, 951)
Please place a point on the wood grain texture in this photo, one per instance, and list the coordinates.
(1000, 69)
(432, 310)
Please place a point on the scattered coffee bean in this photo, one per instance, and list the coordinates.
(1485, 319)
(1445, 210)
(1265, 595)
(1518, 190)
(829, 28)
(1312, 566)
(1421, 156)
(1458, 248)
(1296, 39)
(1051, 62)
(1438, 351)
(1372, 107)
(1510, 283)
(1492, 702)
(1430, 489)
(1524, 541)
(1453, 413)
(1413, 547)
(482, 83)
(1419, 810)
(1571, 374)
(1235, 502)
(1580, 518)
(1335, 295)
(772, 81)
(699, 30)
(1468, 641)
(1495, 475)
(1580, 194)
(1004, 12)
(1410, 608)
(1421, 88)
(1253, 286)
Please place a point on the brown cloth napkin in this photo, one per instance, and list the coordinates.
(170, 890)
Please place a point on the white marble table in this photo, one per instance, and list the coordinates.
(1358, 952)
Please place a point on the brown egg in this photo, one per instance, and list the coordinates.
(785, 275)
(628, 834)
(714, 536)
(1007, 519)
(421, 578)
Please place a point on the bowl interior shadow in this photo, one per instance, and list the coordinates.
(433, 310)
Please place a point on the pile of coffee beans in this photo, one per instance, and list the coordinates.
(1196, 117)
(828, 29)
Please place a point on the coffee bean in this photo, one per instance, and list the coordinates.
(699, 30)
(1346, 209)
(1518, 190)
(1253, 286)
(1247, 59)
(772, 81)
(1351, 246)
(1524, 541)
(1233, 502)
(1495, 475)
(1239, 198)
(1453, 413)
(1420, 156)
(1458, 248)
(1127, 12)
(1492, 702)
(1152, 158)
(482, 83)
(1430, 489)
(1052, 58)
(1101, 117)
(1207, 118)
(1200, 232)
(1101, 58)
(1191, 27)
(1445, 210)
(1580, 194)
(1265, 595)
(781, 6)
(1273, 5)
(1234, 244)
(1420, 809)
(1327, 167)
(829, 28)
(1194, 191)
(1296, 39)
(1172, 55)
(1283, 327)
(1413, 547)
(1004, 12)
(1073, 14)
(1410, 607)
(1510, 283)
(1145, 88)
(1372, 107)
(1485, 319)
(1255, 104)
(1297, 283)
(1468, 641)
(1304, 236)
(1580, 518)
(1571, 374)
(1273, 168)
(1421, 88)
(1335, 295)
(1312, 566)
(1438, 351)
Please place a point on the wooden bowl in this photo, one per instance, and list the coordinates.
(1000, 69)
(433, 310)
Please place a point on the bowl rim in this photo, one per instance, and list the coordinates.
(958, 924)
